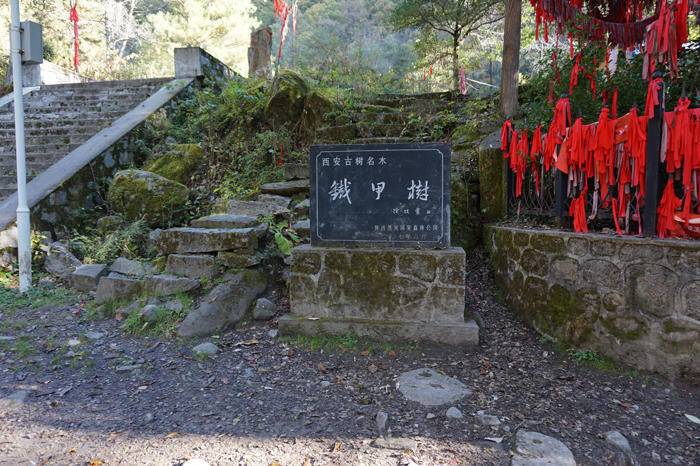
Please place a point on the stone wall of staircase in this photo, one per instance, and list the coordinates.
(59, 119)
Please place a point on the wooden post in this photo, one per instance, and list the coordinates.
(653, 172)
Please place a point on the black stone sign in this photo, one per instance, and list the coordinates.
(380, 195)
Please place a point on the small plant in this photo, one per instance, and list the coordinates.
(23, 348)
(128, 242)
(347, 342)
(163, 323)
(591, 358)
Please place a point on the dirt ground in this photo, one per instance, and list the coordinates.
(81, 390)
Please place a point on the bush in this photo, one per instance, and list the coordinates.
(129, 242)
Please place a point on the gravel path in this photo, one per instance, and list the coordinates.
(68, 398)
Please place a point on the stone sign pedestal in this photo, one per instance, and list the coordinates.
(388, 294)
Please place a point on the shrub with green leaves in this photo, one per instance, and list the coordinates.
(129, 242)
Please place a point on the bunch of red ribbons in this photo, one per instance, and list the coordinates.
(680, 152)
(282, 11)
(665, 37)
(608, 157)
(76, 44)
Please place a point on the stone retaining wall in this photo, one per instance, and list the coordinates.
(635, 300)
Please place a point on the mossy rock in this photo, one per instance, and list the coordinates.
(138, 194)
(315, 108)
(287, 98)
(177, 164)
(465, 215)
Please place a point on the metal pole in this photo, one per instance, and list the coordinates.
(24, 244)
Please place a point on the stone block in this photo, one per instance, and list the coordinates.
(302, 208)
(276, 206)
(238, 261)
(225, 221)
(86, 277)
(195, 240)
(296, 171)
(191, 266)
(462, 334)
(116, 286)
(165, 285)
(225, 305)
(302, 228)
(286, 188)
(379, 293)
(129, 267)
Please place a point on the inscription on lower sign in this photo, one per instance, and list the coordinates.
(389, 194)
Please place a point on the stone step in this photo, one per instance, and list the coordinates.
(380, 130)
(336, 133)
(380, 118)
(97, 85)
(296, 171)
(225, 221)
(39, 124)
(286, 188)
(48, 139)
(186, 240)
(104, 106)
(43, 148)
(8, 134)
(265, 205)
(195, 266)
(57, 116)
(386, 140)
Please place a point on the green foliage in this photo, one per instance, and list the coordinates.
(135, 38)
(129, 242)
(591, 358)
(23, 348)
(347, 342)
(164, 323)
(627, 79)
(444, 25)
(285, 237)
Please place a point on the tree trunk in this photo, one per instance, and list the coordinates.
(455, 63)
(511, 58)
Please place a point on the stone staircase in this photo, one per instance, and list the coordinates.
(387, 120)
(60, 118)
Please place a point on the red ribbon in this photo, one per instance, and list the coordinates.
(76, 44)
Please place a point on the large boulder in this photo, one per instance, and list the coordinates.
(177, 164)
(137, 194)
(225, 305)
(287, 98)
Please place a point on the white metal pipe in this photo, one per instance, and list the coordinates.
(24, 244)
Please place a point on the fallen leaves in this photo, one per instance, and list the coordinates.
(251, 342)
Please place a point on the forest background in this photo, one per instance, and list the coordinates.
(351, 44)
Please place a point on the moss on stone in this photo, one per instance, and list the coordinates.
(287, 98)
(178, 164)
(465, 214)
(492, 182)
(547, 243)
(625, 328)
(138, 194)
